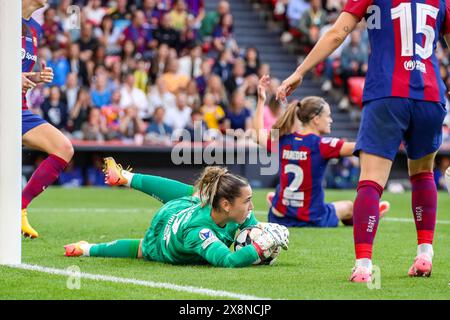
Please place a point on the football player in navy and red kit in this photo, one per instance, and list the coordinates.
(404, 101)
(299, 199)
(36, 132)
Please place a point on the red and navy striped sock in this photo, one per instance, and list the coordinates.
(366, 215)
(424, 206)
(47, 173)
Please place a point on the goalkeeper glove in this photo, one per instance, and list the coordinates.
(264, 244)
(279, 233)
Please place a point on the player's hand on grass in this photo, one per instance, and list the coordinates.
(278, 232)
(27, 84)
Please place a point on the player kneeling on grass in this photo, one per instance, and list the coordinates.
(299, 199)
(196, 225)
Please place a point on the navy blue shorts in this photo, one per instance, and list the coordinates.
(388, 122)
(328, 219)
(30, 121)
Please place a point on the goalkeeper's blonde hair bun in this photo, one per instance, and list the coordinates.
(216, 183)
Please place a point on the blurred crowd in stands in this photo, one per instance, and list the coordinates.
(139, 71)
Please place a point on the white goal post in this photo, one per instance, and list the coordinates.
(10, 131)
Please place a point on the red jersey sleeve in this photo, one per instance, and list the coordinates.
(357, 7)
(445, 29)
(330, 147)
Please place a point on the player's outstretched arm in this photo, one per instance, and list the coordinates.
(261, 135)
(326, 45)
(216, 253)
(347, 149)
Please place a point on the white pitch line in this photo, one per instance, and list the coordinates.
(411, 220)
(145, 209)
(144, 283)
(89, 210)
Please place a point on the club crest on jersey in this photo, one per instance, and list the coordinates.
(415, 64)
(35, 41)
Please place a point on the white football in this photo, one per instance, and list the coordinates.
(246, 236)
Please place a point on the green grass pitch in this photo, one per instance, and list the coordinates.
(317, 265)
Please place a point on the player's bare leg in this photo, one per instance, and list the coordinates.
(374, 175)
(344, 210)
(50, 140)
(269, 198)
(424, 206)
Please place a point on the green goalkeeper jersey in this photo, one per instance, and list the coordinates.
(182, 232)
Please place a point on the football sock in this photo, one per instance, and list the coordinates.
(115, 249)
(425, 248)
(366, 263)
(129, 176)
(366, 215)
(424, 206)
(162, 189)
(47, 173)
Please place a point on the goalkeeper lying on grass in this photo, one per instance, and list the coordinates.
(197, 224)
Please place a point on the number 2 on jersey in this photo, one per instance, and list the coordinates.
(291, 195)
